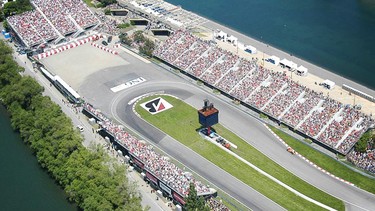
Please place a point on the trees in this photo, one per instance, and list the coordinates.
(107, 2)
(16, 7)
(361, 145)
(195, 202)
(84, 174)
(125, 39)
(147, 48)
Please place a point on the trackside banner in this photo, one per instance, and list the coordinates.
(156, 105)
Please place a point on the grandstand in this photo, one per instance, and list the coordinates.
(52, 21)
(158, 170)
(326, 121)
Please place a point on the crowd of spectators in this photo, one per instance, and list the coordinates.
(80, 13)
(363, 160)
(339, 126)
(154, 162)
(352, 138)
(108, 25)
(268, 91)
(205, 61)
(220, 67)
(250, 83)
(236, 74)
(284, 99)
(302, 107)
(216, 205)
(57, 14)
(32, 27)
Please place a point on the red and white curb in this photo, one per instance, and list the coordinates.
(307, 160)
(104, 48)
(68, 46)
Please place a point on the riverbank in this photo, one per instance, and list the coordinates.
(24, 185)
(315, 75)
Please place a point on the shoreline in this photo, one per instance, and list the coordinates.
(314, 69)
(316, 75)
(265, 48)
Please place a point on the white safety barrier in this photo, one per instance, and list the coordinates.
(69, 46)
(104, 48)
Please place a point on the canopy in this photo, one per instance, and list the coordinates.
(250, 49)
(328, 84)
(232, 39)
(302, 70)
(273, 60)
(288, 64)
(221, 35)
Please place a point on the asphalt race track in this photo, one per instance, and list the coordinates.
(95, 90)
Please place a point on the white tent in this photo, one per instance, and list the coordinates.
(221, 35)
(328, 84)
(301, 70)
(288, 64)
(232, 39)
(273, 60)
(241, 46)
(250, 49)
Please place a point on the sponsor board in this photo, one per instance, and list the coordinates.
(128, 84)
(165, 188)
(138, 163)
(178, 198)
(156, 105)
(151, 178)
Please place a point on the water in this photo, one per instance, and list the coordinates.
(338, 35)
(23, 184)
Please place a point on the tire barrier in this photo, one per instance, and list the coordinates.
(69, 46)
(104, 48)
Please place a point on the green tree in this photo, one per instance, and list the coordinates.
(138, 37)
(107, 2)
(88, 176)
(361, 145)
(147, 48)
(16, 7)
(195, 202)
(107, 11)
(124, 38)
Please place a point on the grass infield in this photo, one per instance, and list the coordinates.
(183, 117)
(328, 163)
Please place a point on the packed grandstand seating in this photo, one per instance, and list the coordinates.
(216, 205)
(57, 14)
(51, 17)
(107, 25)
(32, 27)
(365, 160)
(302, 107)
(158, 164)
(235, 75)
(321, 118)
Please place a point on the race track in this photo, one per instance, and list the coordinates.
(96, 91)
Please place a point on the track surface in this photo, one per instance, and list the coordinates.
(96, 89)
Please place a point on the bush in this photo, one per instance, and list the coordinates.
(86, 175)
(361, 145)
(123, 25)
(107, 11)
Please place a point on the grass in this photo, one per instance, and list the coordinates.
(89, 3)
(184, 116)
(328, 163)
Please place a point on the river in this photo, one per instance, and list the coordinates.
(338, 35)
(24, 184)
